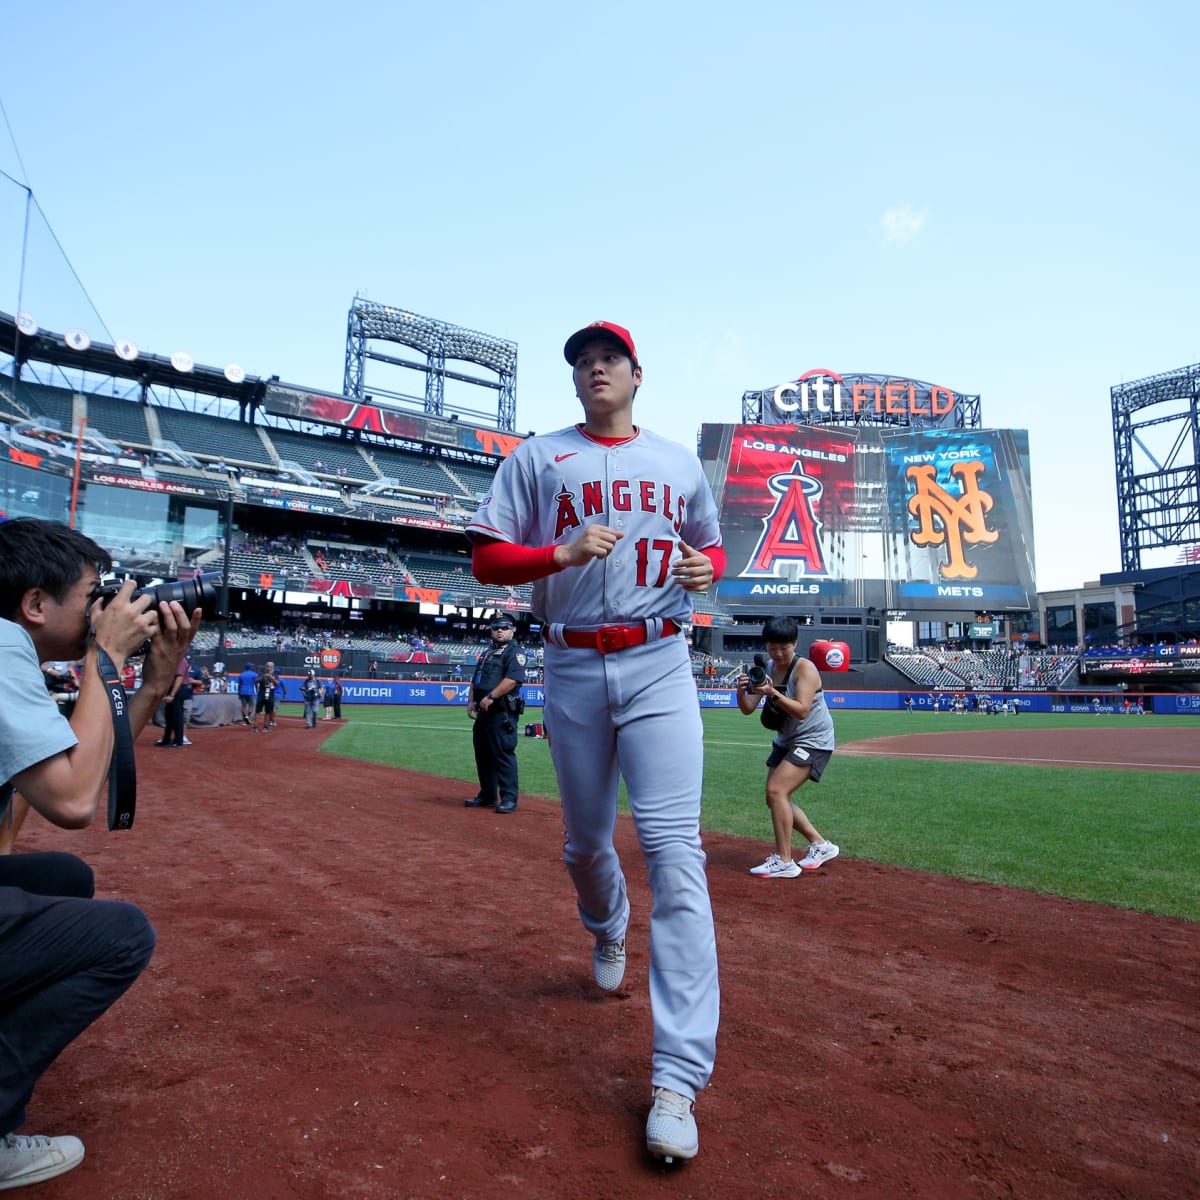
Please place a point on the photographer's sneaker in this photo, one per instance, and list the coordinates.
(819, 853)
(26, 1160)
(671, 1128)
(608, 964)
(776, 868)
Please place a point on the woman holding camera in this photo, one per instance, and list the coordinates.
(804, 742)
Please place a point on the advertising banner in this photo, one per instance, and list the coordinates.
(791, 521)
(872, 517)
(960, 520)
(287, 400)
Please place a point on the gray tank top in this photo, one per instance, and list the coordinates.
(814, 731)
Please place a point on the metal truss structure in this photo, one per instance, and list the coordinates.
(1156, 440)
(370, 322)
(759, 407)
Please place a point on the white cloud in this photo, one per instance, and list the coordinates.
(902, 224)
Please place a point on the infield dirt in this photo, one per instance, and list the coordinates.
(363, 989)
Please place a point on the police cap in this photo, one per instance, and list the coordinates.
(503, 621)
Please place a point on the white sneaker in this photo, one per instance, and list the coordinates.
(776, 868)
(818, 854)
(671, 1128)
(608, 964)
(31, 1159)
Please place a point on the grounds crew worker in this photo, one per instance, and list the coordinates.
(494, 706)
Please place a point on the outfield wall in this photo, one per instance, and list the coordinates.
(403, 691)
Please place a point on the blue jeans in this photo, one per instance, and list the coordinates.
(64, 959)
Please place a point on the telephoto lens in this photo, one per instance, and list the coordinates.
(757, 674)
(197, 592)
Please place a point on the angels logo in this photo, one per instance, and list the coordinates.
(790, 529)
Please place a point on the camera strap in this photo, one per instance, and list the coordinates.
(122, 772)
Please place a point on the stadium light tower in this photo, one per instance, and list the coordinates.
(439, 342)
(1156, 443)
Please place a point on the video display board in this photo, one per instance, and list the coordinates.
(873, 517)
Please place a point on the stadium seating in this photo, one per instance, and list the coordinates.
(119, 420)
(338, 560)
(214, 437)
(423, 475)
(323, 456)
(982, 670)
(43, 402)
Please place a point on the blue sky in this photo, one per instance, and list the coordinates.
(997, 199)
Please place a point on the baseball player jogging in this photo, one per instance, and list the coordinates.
(605, 518)
(795, 707)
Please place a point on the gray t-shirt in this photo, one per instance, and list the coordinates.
(31, 727)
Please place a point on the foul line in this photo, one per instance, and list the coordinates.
(1024, 762)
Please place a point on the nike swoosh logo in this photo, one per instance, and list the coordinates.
(560, 457)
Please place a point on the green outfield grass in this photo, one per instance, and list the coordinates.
(1125, 838)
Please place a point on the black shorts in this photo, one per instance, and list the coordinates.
(267, 706)
(801, 756)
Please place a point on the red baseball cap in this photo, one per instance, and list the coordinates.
(604, 330)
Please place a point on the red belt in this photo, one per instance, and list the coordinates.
(609, 638)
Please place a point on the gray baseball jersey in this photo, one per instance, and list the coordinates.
(650, 489)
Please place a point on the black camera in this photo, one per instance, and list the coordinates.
(757, 674)
(200, 591)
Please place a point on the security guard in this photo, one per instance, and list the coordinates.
(494, 707)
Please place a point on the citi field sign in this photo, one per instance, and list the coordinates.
(823, 393)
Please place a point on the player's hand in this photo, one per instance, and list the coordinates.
(694, 571)
(596, 541)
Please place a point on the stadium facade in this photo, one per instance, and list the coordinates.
(847, 500)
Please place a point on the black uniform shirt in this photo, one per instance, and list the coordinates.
(497, 663)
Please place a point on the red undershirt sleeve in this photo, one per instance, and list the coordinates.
(717, 555)
(506, 563)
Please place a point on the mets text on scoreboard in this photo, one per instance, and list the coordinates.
(823, 391)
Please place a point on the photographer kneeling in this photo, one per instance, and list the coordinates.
(64, 957)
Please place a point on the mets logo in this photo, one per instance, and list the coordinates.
(449, 694)
(835, 658)
(952, 521)
(790, 529)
